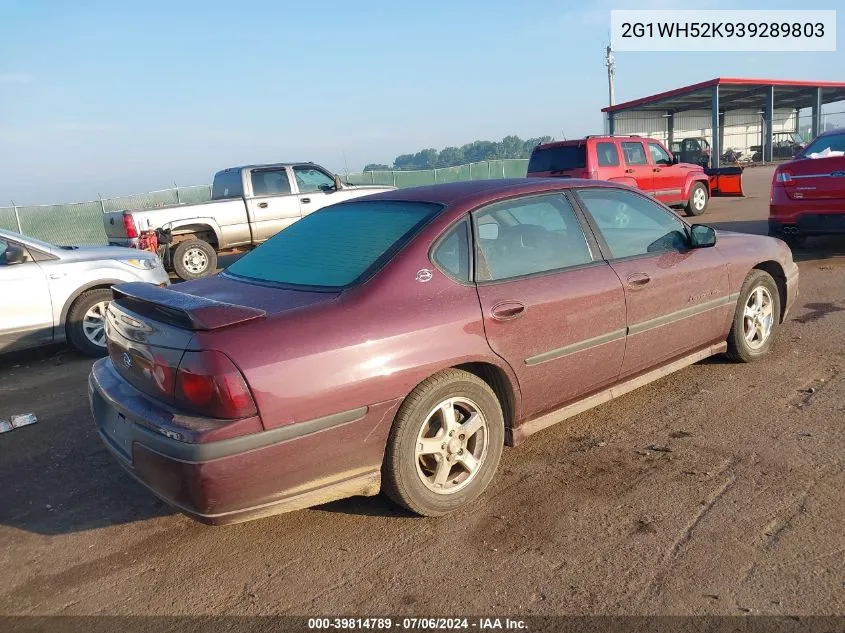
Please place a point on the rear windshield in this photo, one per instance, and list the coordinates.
(336, 247)
(561, 158)
(227, 184)
(834, 142)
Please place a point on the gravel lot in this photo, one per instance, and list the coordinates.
(742, 513)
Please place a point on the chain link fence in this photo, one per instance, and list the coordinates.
(82, 222)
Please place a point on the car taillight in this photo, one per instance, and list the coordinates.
(784, 177)
(129, 224)
(208, 383)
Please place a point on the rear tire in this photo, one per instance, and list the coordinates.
(437, 461)
(194, 259)
(756, 318)
(698, 198)
(85, 327)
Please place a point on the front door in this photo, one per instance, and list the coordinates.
(636, 165)
(552, 308)
(668, 183)
(271, 203)
(26, 312)
(677, 297)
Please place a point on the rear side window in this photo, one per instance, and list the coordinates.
(634, 154)
(527, 236)
(452, 253)
(270, 182)
(227, 184)
(559, 158)
(607, 154)
(338, 246)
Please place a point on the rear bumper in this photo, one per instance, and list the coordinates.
(808, 224)
(126, 242)
(241, 478)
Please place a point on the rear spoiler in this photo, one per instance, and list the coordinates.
(725, 181)
(180, 309)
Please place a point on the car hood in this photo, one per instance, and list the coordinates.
(95, 252)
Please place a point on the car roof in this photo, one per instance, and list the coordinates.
(596, 138)
(834, 132)
(474, 193)
(268, 166)
(26, 239)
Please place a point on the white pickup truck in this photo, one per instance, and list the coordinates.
(248, 205)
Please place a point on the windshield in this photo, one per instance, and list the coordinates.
(336, 247)
(833, 142)
(560, 158)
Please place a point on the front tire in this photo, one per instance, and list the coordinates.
(194, 259)
(698, 198)
(445, 444)
(756, 318)
(86, 322)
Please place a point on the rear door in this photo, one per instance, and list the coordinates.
(271, 204)
(26, 316)
(677, 298)
(637, 165)
(552, 308)
(667, 182)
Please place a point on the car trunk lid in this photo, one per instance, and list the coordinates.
(814, 178)
(149, 329)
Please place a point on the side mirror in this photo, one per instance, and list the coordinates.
(14, 255)
(676, 159)
(702, 236)
(338, 183)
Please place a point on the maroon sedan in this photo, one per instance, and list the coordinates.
(397, 342)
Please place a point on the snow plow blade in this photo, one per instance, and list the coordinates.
(725, 181)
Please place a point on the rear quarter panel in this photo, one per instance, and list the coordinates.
(373, 345)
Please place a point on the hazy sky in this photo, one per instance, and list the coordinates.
(118, 98)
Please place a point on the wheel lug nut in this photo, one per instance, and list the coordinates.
(461, 452)
(461, 436)
(451, 433)
(443, 446)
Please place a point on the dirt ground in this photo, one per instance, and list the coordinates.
(742, 513)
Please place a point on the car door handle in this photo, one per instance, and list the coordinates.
(57, 275)
(507, 310)
(262, 205)
(638, 280)
(629, 171)
(656, 169)
(305, 200)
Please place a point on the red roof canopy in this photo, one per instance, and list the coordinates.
(736, 93)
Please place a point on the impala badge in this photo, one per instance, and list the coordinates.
(127, 360)
(424, 275)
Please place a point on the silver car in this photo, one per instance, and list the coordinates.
(51, 293)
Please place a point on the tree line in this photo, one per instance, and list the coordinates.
(477, 151)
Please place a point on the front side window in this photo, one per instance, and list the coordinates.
(310, 179)
(337, 246)
(452, 253)
(607, 154)
(14, 251)
(526, 236)
(632, 224)
(270, 182)
(634, 153)
(659, 156)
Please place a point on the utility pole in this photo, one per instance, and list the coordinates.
(610, 62)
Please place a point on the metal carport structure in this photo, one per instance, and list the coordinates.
(722, 95)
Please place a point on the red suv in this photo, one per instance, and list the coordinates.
(639, 162)
(808, 193)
